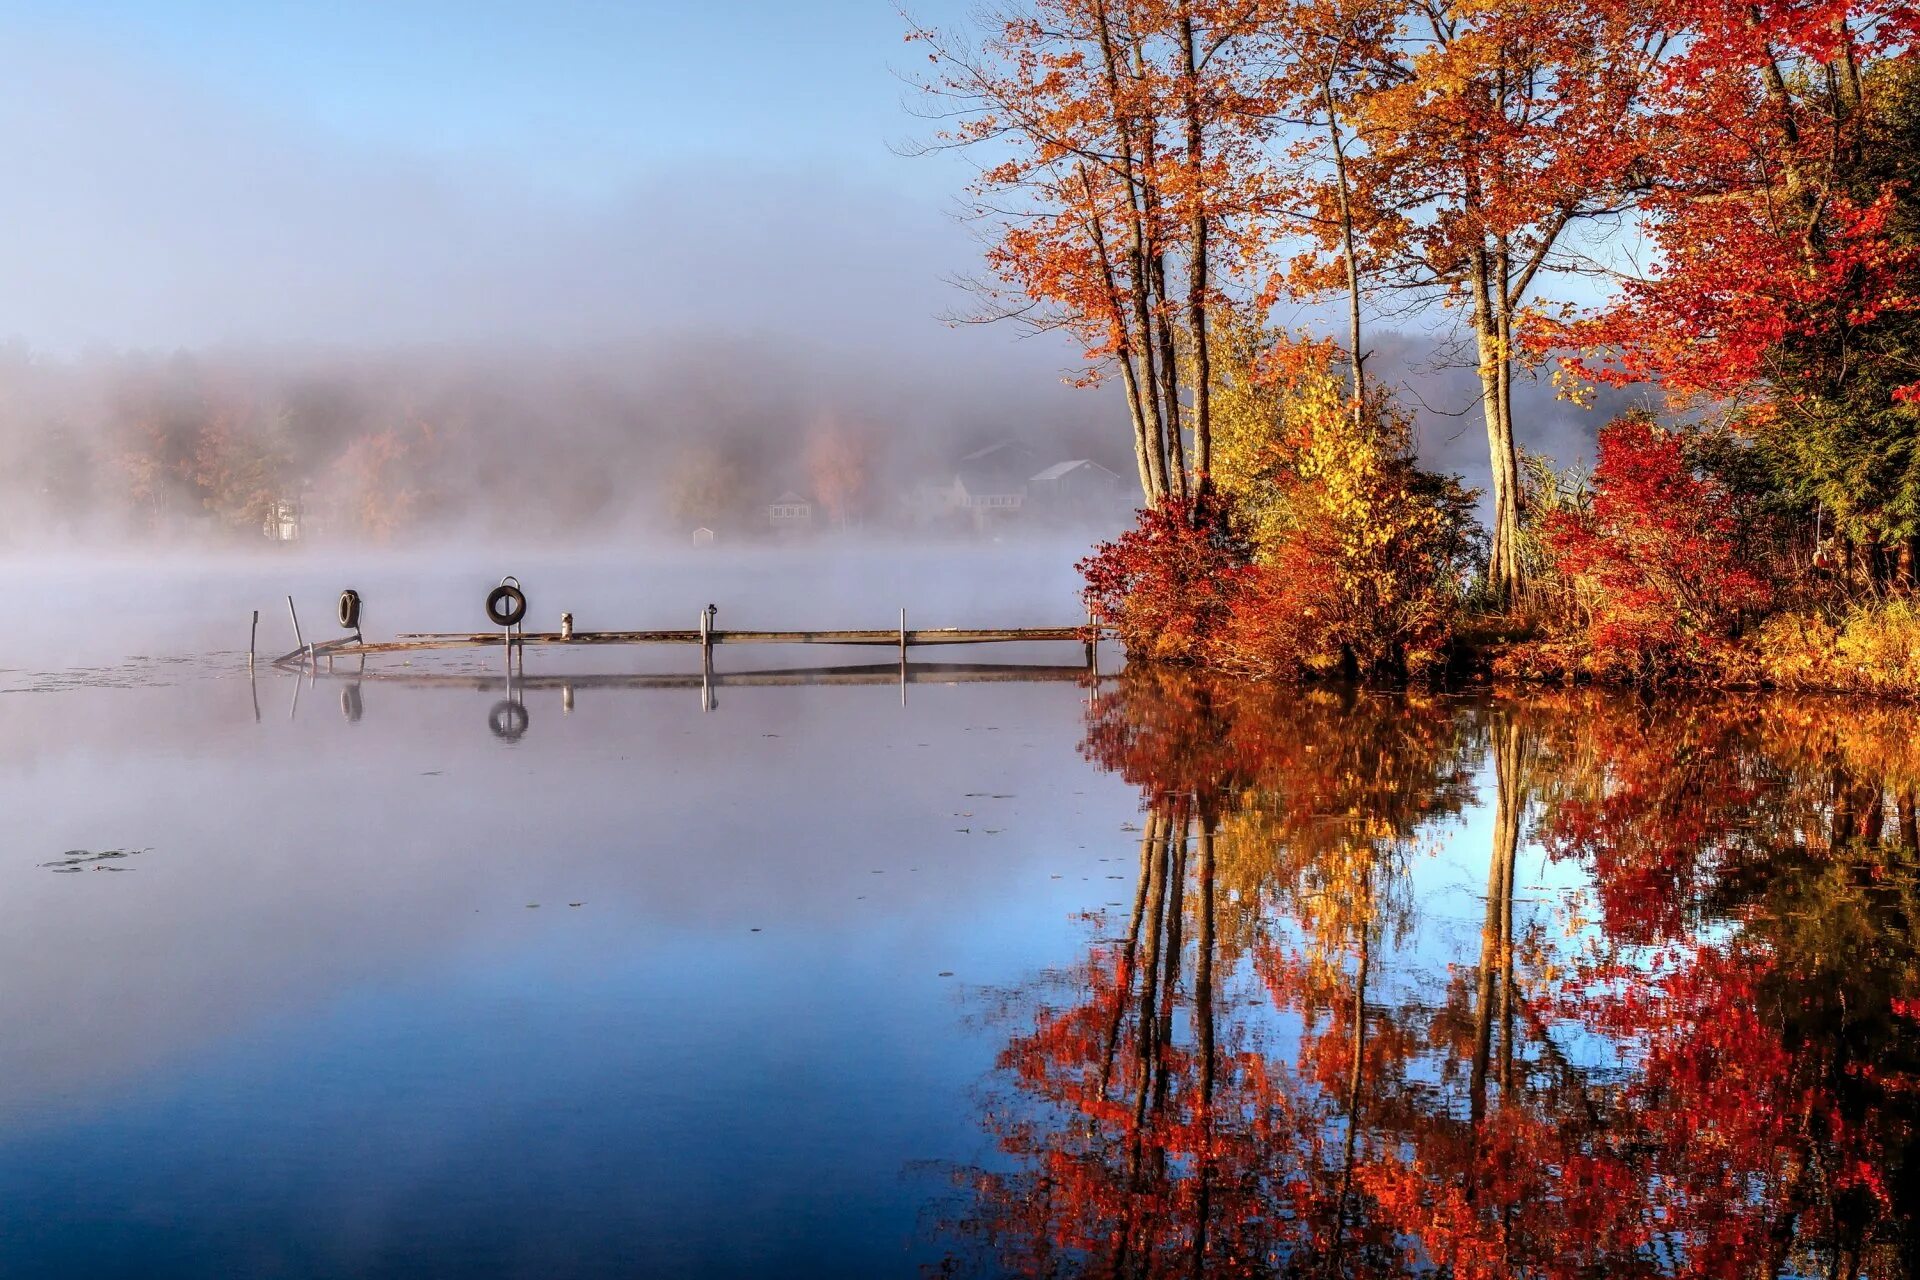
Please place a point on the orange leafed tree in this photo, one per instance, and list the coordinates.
(838, 470)
(1469, 148)
(1123, 191)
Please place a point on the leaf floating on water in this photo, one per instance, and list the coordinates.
(946, 973)
(79, 859)
(576, 904)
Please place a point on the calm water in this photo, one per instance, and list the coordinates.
(376, 977)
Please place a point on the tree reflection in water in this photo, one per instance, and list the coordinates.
(1698, 1054)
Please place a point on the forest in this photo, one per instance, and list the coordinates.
(1713, 203)
(404, 445)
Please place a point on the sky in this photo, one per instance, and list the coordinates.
(585, 97)
(185, 172)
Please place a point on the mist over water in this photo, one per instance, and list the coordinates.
(86, 610)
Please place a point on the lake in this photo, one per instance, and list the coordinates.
(411, 973)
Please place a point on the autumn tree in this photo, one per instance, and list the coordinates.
(1122, 187)
(1472, 144)
(1786, 283)
(704, 486)
(838, 468)
(240, 467)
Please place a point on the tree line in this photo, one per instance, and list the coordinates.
(1731, 187)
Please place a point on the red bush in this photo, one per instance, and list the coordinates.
(1168, 584)
(1660, 561)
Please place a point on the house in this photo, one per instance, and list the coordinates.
(790, 513)
(990, 485)
(282, 522)
(1080, 491)
(703, 537)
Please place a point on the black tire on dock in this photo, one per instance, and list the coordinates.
(506, 606)
(350, 610)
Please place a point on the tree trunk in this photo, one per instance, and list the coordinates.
(1355, 357)
(1503, 571)
(1203, 1034)
(1136, 262)
(1198, 282)
(1116, 316)
(1152, 218)
(1169, 374)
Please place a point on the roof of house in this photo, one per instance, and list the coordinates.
(1059, 469)
(1002, 447)
(790, 498)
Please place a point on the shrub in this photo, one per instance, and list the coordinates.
(1321, 547)
(1167, 585)
(1874, 647)
(1361, 566)
(1359, 555)
(1658, 561)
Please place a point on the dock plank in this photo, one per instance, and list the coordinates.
(418, 641)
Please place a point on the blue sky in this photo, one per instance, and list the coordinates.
(183, 172)
(584, 96)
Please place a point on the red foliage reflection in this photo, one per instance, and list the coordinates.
(1685, 1041)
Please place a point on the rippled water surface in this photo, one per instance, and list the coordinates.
(408, 973)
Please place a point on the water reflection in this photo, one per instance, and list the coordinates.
(1670, 1029)
(508, 718)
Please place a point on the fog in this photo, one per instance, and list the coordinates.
(214, 307)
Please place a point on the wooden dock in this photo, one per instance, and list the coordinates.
(898, 638)
(930, 673)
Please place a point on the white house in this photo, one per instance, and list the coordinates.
(790, 513)
(1080, 490)
(282, 523)
(990, 485)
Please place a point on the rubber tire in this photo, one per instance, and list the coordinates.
(349, 610)
(511, 596)
(508, 720)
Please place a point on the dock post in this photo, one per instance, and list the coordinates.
(253, 639)
(299, 641)
(903, 634)
(707, 700)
